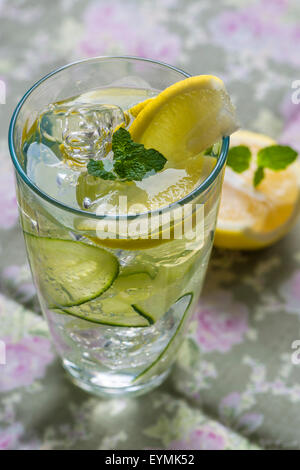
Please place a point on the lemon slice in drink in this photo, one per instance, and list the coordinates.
(135, 110)
(186, 118)
(252, 218)
(181, 122)
(175, 184)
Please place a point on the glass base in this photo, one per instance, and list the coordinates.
(110, 385)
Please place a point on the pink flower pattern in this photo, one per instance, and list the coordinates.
(26, 361)
(113, 29)
(19, 277)
(231, 412)
(9, 437)
(258, 30)
(222, 322)
(255, 42)
(205, 438)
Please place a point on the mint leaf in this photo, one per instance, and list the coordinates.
(239, 158)
(121, 143)
(96, 168)
(139, 164)
(258, 176)
(276, 157)
(132, 161)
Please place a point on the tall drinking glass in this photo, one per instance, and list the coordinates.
(117, 302)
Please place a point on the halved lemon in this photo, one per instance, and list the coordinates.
(252, 218)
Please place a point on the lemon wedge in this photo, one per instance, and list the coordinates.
(186, 118)
(252, 218)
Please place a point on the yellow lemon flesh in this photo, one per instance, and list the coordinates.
(252, 218)
(186, 118)
(135, 110)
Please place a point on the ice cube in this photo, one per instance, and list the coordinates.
(82, 131)
(52, 175)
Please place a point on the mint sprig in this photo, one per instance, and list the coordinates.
(276, 157)
(131, 161)
(273, 157)
(239, 158)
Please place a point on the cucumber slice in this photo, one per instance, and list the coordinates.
(140, 268)
(115, 307)
(188, 298)
(132, 288)
(110, 311)
(159, 301)
(154, 307)
(171, 283)
(70, 273)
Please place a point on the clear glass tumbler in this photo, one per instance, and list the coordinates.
(132, 348)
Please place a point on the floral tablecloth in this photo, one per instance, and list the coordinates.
(235, 385)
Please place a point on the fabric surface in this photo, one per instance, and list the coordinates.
(235, 385)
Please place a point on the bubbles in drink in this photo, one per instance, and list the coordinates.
(87, 202)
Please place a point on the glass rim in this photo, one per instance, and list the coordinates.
(201, 188)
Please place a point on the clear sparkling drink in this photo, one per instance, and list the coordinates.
(118, 298)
